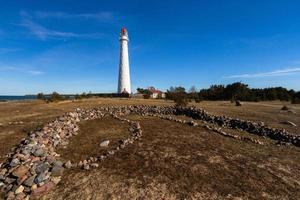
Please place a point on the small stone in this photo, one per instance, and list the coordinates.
(104, 143)
(10, 195)
(20, 196)
(21, 180)
(20, 171)
(289, 123)
(92, 159)
(9, 180)
(68, 164)
(25, 151)
(27, 189)
(56, 180)
(44, 188)
(192, 123)
(3, 171)
(57, 170)
(41, 184)
(39, 152)
(14, 162)
(58, 163)
(29, 181)
(35, 159)
(44, 167)
(9, 187)
(50, 159)
(41, 177)
(86, 167)
(94, 165)
(19, 189)
(73, 114)
(33, 187)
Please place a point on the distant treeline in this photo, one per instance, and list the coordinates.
(55, 96)
(235, 91)
(232, 92)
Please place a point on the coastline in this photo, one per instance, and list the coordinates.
(9, 98)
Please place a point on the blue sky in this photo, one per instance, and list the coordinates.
(72, 46)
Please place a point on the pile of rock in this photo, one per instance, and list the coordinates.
(238, 137)
(259, 129)
(251, 127)
(33, 166)
(212, 128)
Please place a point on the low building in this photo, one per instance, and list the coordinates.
(156, 94)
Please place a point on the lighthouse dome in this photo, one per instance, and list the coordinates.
(124, 31)
(124, 34)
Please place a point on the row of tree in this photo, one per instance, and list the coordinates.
(145, 92)
(234, 91)
(55, 96)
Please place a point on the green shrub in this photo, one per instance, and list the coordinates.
(40, 96)
(180, 99)
(55, 97)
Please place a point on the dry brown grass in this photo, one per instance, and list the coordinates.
(176, 161)
(87, 143)
(171, 160)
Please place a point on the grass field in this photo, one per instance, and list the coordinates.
(171, 160)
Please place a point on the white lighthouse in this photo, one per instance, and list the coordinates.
(124, 75)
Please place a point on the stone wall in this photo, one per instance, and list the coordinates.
(34, 167)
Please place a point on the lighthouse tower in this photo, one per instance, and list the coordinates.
(124, 75)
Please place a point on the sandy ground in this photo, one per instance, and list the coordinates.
(170, 161)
